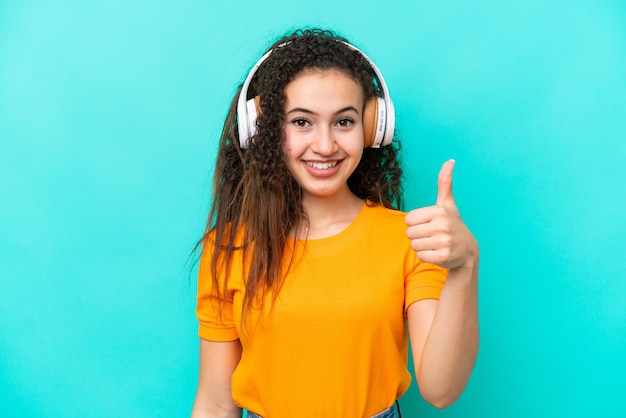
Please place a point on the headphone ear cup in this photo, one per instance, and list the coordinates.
(253, 109)
(374, 122)
(370, 116)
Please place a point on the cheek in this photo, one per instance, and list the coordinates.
(294, 145)
(290, 153)
(287, 148)
(356, 148)
(360, 155)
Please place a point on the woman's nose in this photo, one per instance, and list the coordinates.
(324, 142)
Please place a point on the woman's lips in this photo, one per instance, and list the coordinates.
(322, 169)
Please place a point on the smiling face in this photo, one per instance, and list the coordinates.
(324, 131)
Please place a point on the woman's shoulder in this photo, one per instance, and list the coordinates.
(227, 236)
(385, 221)
(387, 232)
(385, 214)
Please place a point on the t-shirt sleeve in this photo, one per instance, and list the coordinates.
(424, 281)
(214, 307)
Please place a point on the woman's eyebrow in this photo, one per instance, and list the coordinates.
(347, 109)
(304, 110)
(301, 110)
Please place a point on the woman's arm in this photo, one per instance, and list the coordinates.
(444, 332)
(444, 338)
(217, 363)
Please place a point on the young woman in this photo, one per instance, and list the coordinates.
(310, 280)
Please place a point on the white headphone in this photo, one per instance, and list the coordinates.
(378, 115)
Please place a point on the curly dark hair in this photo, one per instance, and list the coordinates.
(255, 198)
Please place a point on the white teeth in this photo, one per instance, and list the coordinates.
(321, 166)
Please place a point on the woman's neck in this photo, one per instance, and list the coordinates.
(328, 215)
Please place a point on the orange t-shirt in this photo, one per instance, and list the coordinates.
(334, 342)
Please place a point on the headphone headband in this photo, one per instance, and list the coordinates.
(384, 122)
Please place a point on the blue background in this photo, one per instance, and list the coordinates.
(109, 118)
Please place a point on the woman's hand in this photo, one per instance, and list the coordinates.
(437, 233)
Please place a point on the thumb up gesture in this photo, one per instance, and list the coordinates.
(437, 233)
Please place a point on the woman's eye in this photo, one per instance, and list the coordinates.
(346, 122)
(300, 123)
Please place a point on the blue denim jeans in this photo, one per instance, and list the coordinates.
(392, 412)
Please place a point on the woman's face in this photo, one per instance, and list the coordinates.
(324, 131)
